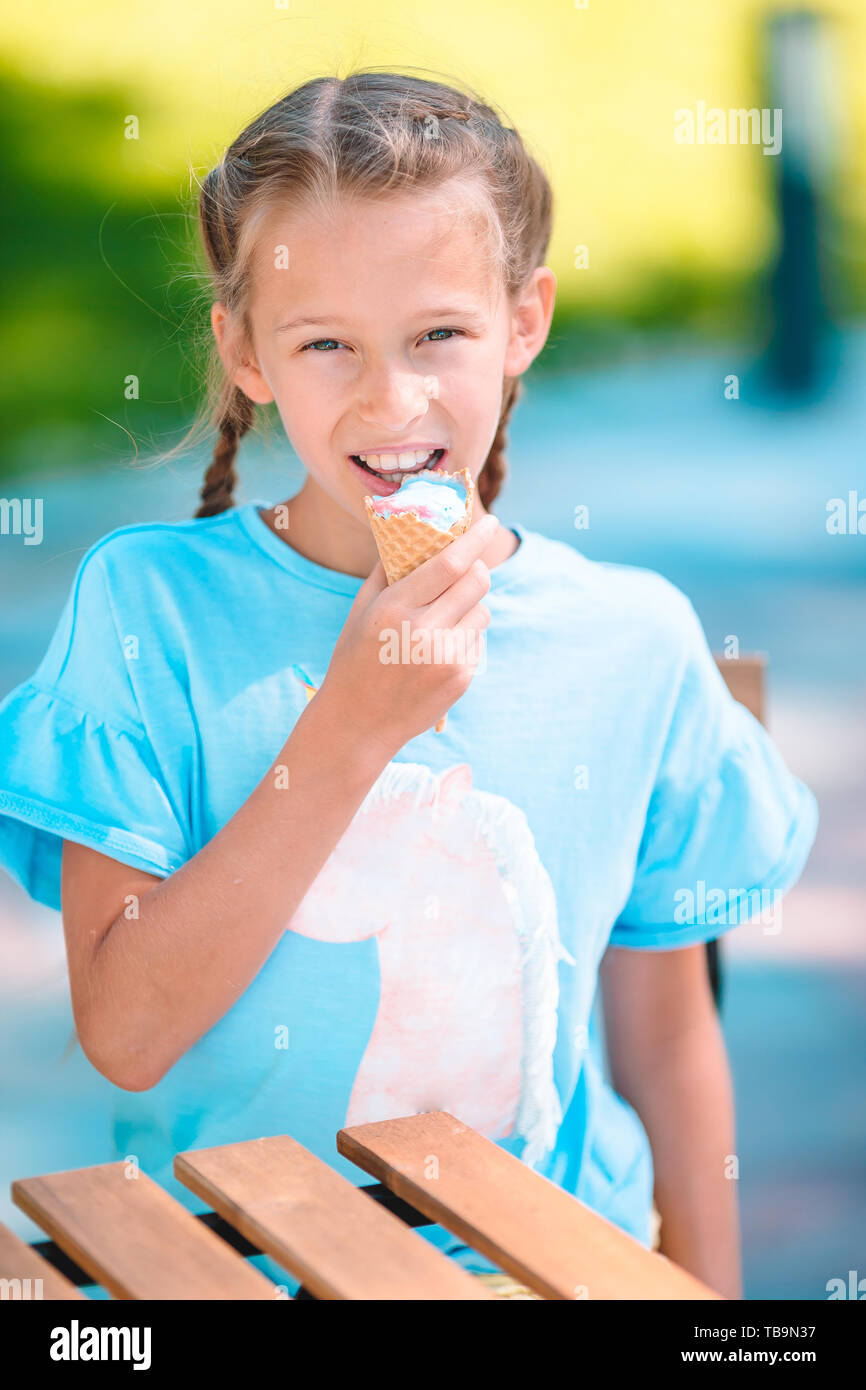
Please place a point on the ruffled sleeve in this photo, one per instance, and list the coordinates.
(728, 827)
(75, 760)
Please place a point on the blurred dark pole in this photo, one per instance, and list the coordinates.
(799, 80)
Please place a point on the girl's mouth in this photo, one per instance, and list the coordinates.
(385, 472)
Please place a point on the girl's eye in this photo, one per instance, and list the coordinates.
(436, 335)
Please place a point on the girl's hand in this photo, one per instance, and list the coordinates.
(372, 685)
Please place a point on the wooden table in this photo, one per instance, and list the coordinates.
(340, 1241)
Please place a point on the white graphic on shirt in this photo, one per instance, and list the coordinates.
(448, 880)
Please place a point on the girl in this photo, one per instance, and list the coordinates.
(289, 905)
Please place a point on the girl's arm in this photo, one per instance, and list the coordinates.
(668, 1059)
(150, 977)
(145, 987)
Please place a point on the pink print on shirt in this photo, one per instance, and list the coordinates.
(448, 880)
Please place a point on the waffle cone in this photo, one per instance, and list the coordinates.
(404, 542)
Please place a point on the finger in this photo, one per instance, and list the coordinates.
(477, 618)
(453, 646)
(462, 596)
(471, 633)
(438, 573)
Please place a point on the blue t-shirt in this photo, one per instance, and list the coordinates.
(595, 785)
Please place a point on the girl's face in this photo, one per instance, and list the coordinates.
(382, 334)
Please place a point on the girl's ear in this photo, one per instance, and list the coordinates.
(530, 321)
(243, 371)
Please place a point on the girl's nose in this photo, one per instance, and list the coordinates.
(394, 400)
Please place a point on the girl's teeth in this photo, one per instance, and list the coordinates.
(396, 463)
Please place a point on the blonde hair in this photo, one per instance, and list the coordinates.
(368, 134)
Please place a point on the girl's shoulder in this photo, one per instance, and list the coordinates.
(150, 576)
(167, 568)
(608, 590)
(162, 541)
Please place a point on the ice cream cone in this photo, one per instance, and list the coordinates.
(405, 541)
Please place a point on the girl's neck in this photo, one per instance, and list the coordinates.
(322, 531)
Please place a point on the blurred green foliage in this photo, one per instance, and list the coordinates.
(105, 281)
(97, 283)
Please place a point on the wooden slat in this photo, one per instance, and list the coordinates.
(134, 1239)
(18, 1260)
(340, 1243)
(527, 1225)
(746, 680)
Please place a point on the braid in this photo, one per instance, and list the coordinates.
(220, 480)
(492, 475)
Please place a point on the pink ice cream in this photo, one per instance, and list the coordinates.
(438, 500)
